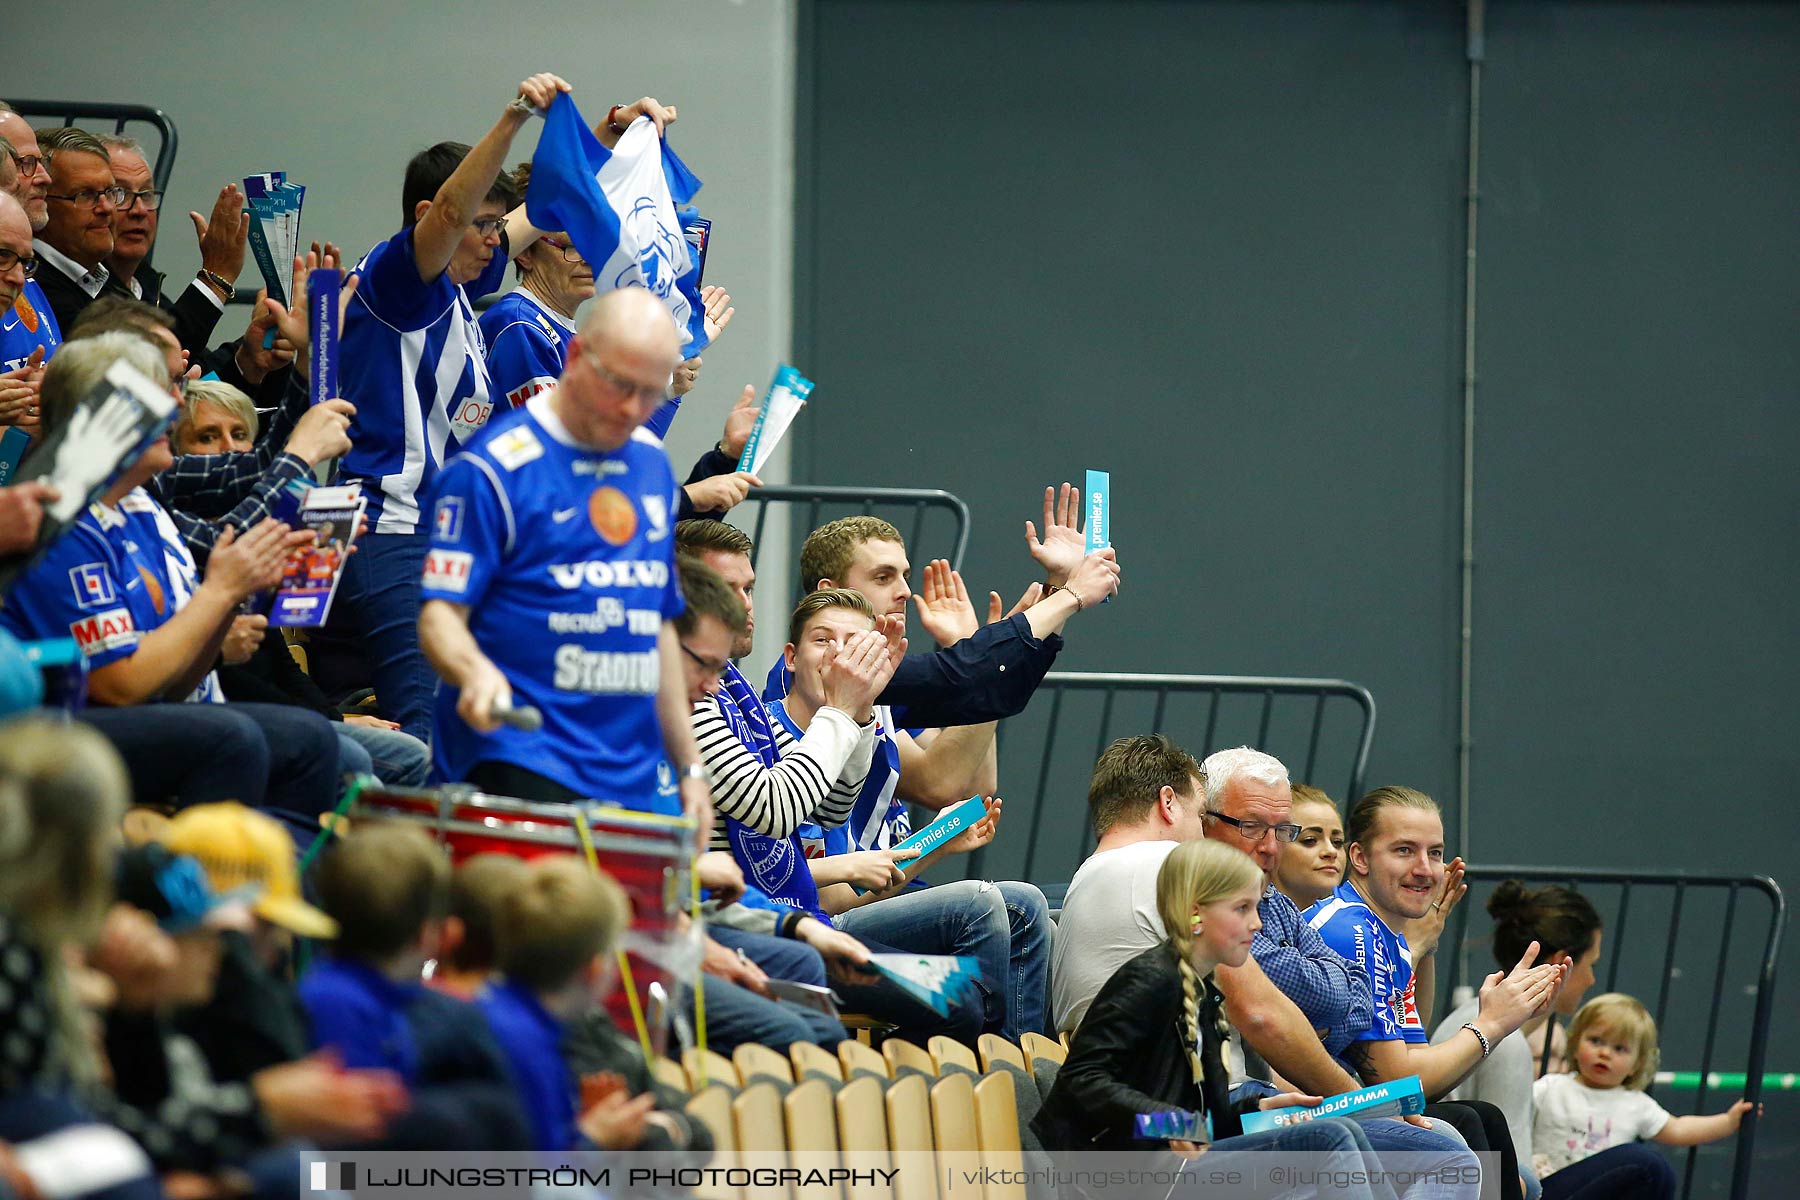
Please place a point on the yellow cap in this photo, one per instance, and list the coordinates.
(241, 848)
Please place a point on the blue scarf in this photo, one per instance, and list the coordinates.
(774, 866)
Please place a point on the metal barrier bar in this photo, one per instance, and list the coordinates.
(1112, 685)
(816, 496)
(1681, 885)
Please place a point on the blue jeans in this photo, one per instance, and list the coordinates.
(1388, 1136)
(276, 757)
(395, 757)
(378, 599)
(1637, 1171)
(735, 1015)
(1005, 927)
(1341, 1143)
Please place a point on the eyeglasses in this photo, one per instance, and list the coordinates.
(708, 668)
(488, 226)
(8, 259)
(151, 198)
(28, 164)
(649, 394)
(90, 197)
(1256, 831)
(569, 253)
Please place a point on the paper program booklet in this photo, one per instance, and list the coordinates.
(110, 428)
(310, 579)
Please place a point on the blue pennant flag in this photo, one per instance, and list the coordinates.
(619, 208)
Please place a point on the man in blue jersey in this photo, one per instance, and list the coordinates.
(527, 332)
(27, 325)
(150, 624)
(414, 365)
(1395, 845)
(19, 382)
(550, 583)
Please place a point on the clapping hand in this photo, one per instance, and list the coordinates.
(996, 613)
(944, 607)
(1511, 999)
(1422, 933)
(293, 321)
(224, 238)
(1064, 544)
(740, 421)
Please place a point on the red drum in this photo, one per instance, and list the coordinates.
(648, 855)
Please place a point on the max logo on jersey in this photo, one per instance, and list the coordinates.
(93, 588)
(448, 570)
(528, 389)
(105, 631)
(449, 518)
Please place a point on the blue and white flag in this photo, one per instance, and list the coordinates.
(619, 209)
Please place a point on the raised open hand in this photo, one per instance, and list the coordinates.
(944, 607)
(1063, 545)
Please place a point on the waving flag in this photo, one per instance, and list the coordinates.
(619, 209)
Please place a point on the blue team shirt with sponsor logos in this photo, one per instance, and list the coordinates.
(527, 348)
(112, 577)
(527, 345)
(565, 557)
(25, 326)
(415, 367)
(1351, 927)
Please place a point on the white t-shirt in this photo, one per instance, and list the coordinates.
(1575, 1121)
(1109, 917)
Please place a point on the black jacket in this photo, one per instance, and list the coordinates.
(1130, 1056)
(196, 310)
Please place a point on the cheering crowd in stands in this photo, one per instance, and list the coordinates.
(1232, 944)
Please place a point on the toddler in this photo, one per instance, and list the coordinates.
(1601, 1102)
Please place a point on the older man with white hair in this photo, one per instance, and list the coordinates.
(1248, 805)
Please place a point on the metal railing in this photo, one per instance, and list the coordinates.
(1656, 902)
(844, 501)
(1047, 753)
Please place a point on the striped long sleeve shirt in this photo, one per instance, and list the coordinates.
(817, 779)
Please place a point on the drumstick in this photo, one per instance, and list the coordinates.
(525, 719)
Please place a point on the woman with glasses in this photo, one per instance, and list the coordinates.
(528, 330)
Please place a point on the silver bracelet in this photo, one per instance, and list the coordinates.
(695, 770)
(1486, 1047)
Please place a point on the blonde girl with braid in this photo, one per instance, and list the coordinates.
(1151, 1041)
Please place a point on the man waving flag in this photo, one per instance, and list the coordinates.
(618, 207)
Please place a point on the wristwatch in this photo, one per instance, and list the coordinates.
(695, 770)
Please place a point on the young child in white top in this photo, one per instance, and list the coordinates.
(1601, 1103)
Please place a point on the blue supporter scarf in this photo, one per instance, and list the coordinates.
(775, 866)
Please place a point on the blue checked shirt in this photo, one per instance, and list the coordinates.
(1331, 990)
(204, 492)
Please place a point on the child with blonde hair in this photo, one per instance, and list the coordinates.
(1150, 1042)
(1601, 1103)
